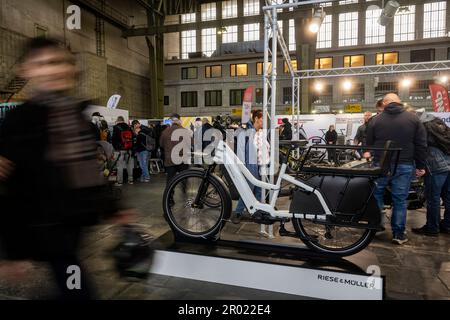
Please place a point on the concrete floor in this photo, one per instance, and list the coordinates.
(419, 269)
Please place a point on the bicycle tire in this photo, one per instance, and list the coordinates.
(352, 249)
(223, 215)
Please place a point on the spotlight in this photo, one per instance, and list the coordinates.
(388, 13)
(406, 83)
(318, 87)
(443, 79)
(314, 111)
(347, 85)
(341, 112)
(317, 20)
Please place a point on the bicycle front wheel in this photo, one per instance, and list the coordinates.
(204, 219)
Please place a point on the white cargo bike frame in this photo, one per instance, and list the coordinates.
(239, 174)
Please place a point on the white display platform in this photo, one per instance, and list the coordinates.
(289, 279)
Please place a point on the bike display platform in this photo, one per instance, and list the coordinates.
(263, 265)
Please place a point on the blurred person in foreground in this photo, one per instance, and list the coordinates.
(51, 181)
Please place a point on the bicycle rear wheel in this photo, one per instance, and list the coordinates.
(333, 239)
(204, 220)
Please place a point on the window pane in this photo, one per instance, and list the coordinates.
(208, 11)
(293, 63)
(291, 35)
(251, 32)
(231, 35)
(375, 33)
(325, 33)
(188, 18)
(216, 71)
(238, 69)
(188, 43)
(229, 9)
(348, 29)
(404, 24)
(241, 69)
(251, 7)
(260, 67)
(434, 24)
(387, 58)
(208, 41)
(354, 61)
(324, 63)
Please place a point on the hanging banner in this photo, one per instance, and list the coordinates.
(439, 97)
(247, 105)
(113, 101)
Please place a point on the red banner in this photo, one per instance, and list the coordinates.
(247, 105)
(439, 97)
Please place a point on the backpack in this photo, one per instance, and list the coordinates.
(150, 142)
(126, 139)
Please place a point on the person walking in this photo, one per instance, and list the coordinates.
(122, 141)
(49, 171)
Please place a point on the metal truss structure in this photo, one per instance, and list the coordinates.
(273, 41)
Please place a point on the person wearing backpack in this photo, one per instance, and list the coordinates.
(122, 142)
(437, 179)
(145, 143)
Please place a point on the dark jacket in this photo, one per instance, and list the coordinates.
(360, 136)
(286, 134)
(205, 128)
(331, 136)
(437, 160)
(41, 216)
(404, 129)
(117, 130)
(140, 143)
(167, 144)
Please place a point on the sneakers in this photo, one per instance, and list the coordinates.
(130, 182)
(117, 184)
(399, 239)
(425, 231)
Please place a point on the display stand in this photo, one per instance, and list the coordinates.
(264, 266)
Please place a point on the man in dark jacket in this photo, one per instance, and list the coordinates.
(331, 139)
(360, 137)
(123, 143)
(51, 182)
(407, 132)
(178, 162)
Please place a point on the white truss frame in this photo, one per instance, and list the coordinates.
(270, 76)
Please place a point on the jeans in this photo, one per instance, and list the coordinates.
(400, 184)
(172, 171)
(143, 163)
(125, 161)
(254, 169)
(437, 186)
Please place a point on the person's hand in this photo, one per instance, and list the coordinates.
(420, 173)
(6, 168)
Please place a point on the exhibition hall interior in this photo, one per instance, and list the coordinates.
(231, 150)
